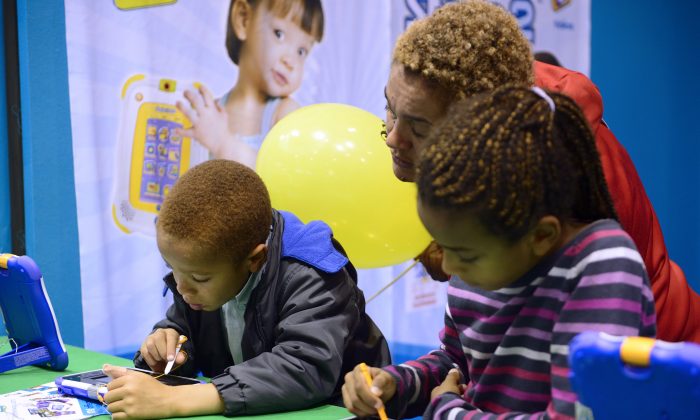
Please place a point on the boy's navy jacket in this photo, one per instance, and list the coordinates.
(305, 327)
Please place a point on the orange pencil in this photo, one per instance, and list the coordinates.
(368, 378)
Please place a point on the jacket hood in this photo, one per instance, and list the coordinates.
(576, 86)
(311, 243)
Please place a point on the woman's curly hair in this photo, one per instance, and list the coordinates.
(467, 47)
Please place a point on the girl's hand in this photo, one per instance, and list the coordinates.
(450, 384)
(362, 400)
(159, 348)
(133, 394)
(209, 120)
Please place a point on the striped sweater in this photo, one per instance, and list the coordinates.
(511, 345)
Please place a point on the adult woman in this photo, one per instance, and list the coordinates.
(469, 47)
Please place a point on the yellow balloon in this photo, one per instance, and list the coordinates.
(329, 162)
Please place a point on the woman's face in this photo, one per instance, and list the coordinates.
(413, 107)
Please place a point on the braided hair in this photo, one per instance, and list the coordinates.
(514, 156)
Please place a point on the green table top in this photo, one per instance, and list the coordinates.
(81, 360)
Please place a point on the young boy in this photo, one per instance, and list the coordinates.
(269, 41)
(270, 306)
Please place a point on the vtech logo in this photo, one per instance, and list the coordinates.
(524, 12)
(558, 4)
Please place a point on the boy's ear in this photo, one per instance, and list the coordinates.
(257, 258)
(545, 235)
(241, 15)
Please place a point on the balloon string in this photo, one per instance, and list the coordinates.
(413, 264)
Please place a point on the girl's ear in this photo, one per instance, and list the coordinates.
(545, 235)
(257, 258)
(241, 15)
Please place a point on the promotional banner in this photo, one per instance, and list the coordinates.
(135, 131)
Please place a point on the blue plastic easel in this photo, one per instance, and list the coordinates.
(29, 318)
(634, 377)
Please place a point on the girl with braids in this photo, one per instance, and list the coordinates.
(510, 186)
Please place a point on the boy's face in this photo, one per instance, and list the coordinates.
(275, 50)
(205, 282)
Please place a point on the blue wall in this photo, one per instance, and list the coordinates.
(50, 214)
(645, 60)
(5, 234)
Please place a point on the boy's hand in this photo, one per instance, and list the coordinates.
(136, 395)
(133, 394)
(159, 348)
(360, 399)
(450, 384)
(209, 120)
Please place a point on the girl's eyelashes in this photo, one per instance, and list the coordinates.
(302, 52)
(200, 279)
(469, 260)
(278, 34)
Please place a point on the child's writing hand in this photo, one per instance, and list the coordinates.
(209, 120)
(133, 394)
(159, 348)
(450, 384)
(362, 400)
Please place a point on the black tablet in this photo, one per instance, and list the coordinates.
(93, 384)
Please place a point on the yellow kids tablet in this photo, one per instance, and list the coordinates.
(150, 155)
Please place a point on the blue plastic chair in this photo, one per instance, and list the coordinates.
(634, 377)
(29, 318)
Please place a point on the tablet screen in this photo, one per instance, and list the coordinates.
(97, 377)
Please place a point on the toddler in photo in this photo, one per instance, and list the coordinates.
(269, 40)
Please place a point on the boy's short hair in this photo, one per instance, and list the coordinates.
(466, 48)
(308, 14)
(220, 205)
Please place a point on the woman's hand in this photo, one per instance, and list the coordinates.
(431, 258)
(361, 399)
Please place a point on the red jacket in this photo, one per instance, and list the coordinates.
(677, 305)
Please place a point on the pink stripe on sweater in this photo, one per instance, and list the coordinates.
(473, 297)
(540, 313)
(467, 313)
(613, 277)
(562, 395)
(575, 249)
(560, 295)
(577, 327)
(602, 303)
(560, 371)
